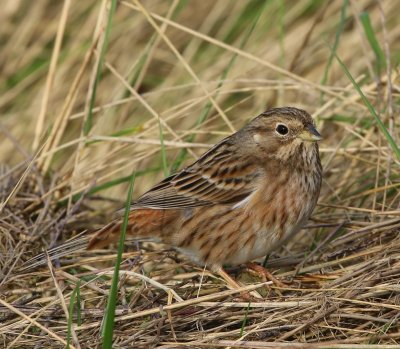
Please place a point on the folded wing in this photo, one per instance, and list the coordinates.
(220, 176)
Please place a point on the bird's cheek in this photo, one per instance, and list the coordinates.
(257, 138)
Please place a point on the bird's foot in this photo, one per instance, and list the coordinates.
(251, 296)
(265, 274)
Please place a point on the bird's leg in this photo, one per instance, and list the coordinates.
(248, 296)
(265, 274)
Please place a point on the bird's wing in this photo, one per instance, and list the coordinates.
(220, 176)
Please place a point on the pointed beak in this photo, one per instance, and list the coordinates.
(310, 134)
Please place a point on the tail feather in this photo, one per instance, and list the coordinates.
(65, 249)
(105, 236)
(143, 223)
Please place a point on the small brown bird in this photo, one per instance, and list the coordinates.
(240, 200)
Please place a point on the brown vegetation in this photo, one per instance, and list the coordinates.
(61, 169)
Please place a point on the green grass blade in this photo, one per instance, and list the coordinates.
(127, 131)
(371, 109)
(108, 328)
(145, 55)
(74, 293)
(163, 151)
(281, 24)
(338, 34)
(244, 323)
(78, 304)
(123, 132)
(371, 37)
(89, 120)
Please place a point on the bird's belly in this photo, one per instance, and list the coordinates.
(248, 245)
(266, 240)
(257, 250)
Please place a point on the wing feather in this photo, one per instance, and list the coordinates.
(220, 176)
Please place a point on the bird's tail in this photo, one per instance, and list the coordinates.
(142, 223)
(66, 249)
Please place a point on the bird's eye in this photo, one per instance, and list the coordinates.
(282, 129)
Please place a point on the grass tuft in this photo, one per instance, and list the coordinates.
(372, 40)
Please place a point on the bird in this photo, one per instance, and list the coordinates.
(246, 195)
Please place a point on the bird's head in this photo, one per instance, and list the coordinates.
(282, 132)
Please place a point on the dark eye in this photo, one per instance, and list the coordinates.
(282, 129)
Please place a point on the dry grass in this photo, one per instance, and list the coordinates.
(163, 66)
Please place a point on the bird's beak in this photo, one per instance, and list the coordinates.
(310, 134)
